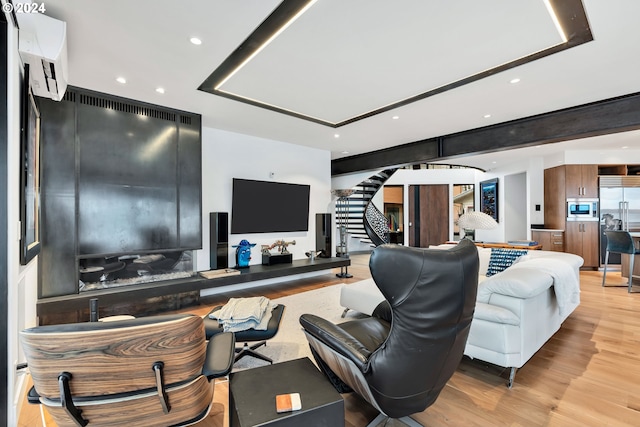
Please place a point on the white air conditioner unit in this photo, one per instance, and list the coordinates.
(43, 45)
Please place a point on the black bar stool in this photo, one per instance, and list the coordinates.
(620, 242)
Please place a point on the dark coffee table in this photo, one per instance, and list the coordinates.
(252, 396)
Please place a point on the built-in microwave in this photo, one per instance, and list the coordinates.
(581, 209)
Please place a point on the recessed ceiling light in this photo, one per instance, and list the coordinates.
(624, 147)
(160, 90)
(345, 152)
(336, 135)
(195, 41)
(121, 80)
(516, 80)
(486, 116)
(395, 117)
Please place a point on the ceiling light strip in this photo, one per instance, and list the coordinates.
(280, 18)
(569, 14)
(556, 21)
(266, 43)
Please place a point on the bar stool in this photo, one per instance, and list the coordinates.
(620, 242)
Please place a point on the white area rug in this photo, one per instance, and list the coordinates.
(290, 342)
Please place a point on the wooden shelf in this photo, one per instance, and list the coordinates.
(106, 297)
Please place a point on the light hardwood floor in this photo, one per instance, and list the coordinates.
(587, 374)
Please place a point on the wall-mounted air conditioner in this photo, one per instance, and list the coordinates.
(43, 45)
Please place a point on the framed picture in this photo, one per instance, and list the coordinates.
(29, 174)
(489, 198)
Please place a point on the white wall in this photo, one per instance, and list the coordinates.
(516, 217)
(531, 189)
(227, 155)
(22, 280)
(596, 157)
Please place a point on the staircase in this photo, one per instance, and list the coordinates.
(363, 221)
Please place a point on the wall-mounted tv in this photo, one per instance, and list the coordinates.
(269, 207)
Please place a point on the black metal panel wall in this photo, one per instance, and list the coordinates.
(127, 192)
(119, 177)
(190, 182)
(57, 257)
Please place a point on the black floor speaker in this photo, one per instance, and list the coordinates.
(323, 234)
(218, 240)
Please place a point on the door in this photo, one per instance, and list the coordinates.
(581, 238)
(428, 215)
(591, 234)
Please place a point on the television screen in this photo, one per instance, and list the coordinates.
(269, 207)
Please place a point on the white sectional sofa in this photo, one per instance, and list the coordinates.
(517, 310)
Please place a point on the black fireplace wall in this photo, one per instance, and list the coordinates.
(118, 177)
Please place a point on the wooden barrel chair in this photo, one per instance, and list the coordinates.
(150, 371)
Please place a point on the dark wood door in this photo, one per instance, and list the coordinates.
(581, 238)
(428, 215)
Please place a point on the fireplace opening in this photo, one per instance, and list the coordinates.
(132, 269)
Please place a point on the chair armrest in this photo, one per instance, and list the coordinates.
(383, 311)
(336, 338)
(221, 350)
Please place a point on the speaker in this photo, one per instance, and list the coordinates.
(218, 240)
(323, 234)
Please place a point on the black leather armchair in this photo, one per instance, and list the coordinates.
(400, 362)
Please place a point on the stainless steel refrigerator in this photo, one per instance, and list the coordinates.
(619, 208)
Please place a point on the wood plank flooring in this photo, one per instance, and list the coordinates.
(587, 374)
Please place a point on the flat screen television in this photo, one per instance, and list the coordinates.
(269, 207)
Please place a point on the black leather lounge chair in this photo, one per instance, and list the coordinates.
(401, 361)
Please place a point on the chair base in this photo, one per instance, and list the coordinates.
(248, 350)
(383, 421)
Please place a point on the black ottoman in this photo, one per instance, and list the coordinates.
(252, 396)
(212, 327)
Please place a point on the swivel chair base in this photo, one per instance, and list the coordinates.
(260, 337)
(382, 420)
(247, 350)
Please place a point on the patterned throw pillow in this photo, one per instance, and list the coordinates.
(501, 258)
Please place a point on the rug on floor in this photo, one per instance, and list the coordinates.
(290, 342)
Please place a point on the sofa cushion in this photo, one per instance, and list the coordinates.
(502, 258)
(522, 282)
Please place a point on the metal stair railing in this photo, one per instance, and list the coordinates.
(376, 225)
(370, 227)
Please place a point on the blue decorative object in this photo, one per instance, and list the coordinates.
(502, 258)
(243, 253)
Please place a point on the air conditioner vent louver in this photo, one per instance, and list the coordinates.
(619, 181)
(126, 107)
(69, 96)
